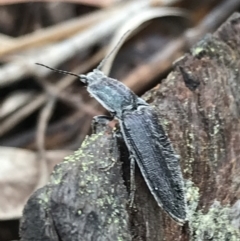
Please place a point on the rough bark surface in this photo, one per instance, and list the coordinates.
(85, 198)
(199, 106)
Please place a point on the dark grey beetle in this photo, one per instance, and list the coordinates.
(145, 139)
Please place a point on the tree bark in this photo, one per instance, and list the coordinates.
(199, 106)
(85, 198)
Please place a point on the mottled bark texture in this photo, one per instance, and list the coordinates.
(85, 198)
(199, 106)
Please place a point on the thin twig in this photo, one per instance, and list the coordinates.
(53, 33)
(59, 132)
(44, 117)
(22, 113)
(96, 3)
(86, 108)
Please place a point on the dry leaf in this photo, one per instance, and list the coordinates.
(19, 176)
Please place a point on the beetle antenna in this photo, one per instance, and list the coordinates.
(58, 70)
(113, 50)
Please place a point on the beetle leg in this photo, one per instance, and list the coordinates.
(118, 134)
(100, 120)
(132, 180)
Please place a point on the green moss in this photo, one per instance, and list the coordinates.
(214, 225)
(191, 151)
(192, 198)
(196, 51)
(43, 198)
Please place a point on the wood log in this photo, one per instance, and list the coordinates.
(199, 106)
(85, 198)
